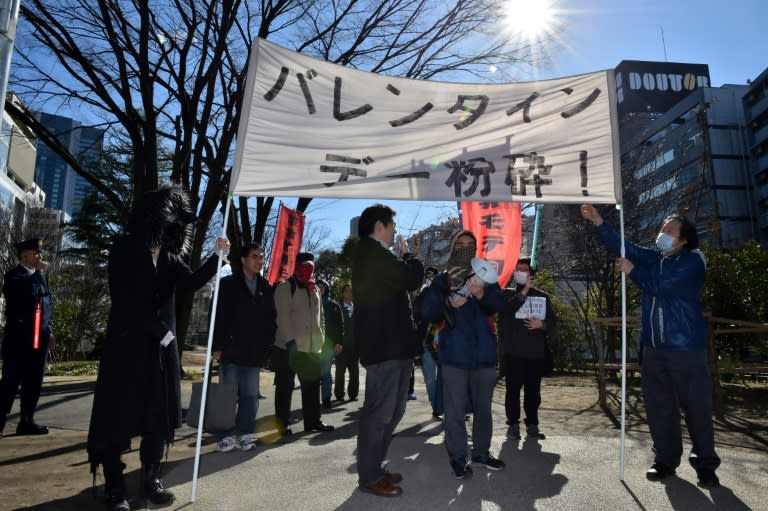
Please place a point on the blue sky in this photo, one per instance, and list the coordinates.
(729, 36)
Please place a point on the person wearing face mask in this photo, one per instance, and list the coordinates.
(674, 364)
(463, 305)
(525, 323)
(298, 343)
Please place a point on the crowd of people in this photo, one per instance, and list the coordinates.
(392, 313)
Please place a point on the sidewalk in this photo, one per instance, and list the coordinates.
(575, 468)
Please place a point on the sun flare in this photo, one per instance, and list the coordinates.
(530, 19)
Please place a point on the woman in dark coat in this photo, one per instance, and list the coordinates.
(138, 386)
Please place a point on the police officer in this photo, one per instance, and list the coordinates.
(28, 335)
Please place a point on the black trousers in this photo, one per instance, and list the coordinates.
(526, 375)
(23, 370)
(353, 367)
(284, 383)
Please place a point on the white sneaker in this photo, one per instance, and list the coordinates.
(226, 444)
(245, 443)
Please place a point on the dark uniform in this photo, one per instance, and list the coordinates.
(25, 291)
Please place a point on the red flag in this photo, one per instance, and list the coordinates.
(498, 228)
(36, 331)
(288, 235)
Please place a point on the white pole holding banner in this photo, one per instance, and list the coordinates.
(201, 414)
(623, 345)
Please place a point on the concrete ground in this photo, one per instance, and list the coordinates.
(576, 467)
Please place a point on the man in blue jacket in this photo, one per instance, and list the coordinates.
(674, 343)
(242, 339)
(467, 353)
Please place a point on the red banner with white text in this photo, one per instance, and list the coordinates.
(288, 235)
(498, 229)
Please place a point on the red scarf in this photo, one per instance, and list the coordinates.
(305, 273)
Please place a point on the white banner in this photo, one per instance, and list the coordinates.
(314, 129)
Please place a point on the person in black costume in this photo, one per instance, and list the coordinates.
(138, 387)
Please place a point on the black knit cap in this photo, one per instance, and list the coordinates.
(35, 244)
(304, 257)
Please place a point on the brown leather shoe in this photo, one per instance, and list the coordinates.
(382, 488)
(393, 477)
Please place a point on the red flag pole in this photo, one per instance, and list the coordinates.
(38, 314)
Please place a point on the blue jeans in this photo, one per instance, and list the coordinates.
(431, 372)
(326, 360)
(247, 380)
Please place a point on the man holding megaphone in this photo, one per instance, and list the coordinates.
(462, 300)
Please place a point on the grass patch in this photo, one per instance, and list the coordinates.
(74, 368)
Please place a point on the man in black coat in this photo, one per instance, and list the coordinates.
(243, 336)
(138, 389)
(28, 335)
(348, 360)
(385, 333)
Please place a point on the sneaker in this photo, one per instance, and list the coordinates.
(513, 431)
(411, 397)
(707, 478)
(246, 443)
(532, 431)
(226, 444)
(659, 471)
(490, 462)
(461, 470)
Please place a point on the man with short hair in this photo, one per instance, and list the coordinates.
(525, 322)
(243, 336)
(385, 333)
(28, 335)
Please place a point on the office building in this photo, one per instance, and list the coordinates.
(755, 103)
(64, 189)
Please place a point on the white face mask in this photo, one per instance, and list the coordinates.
(665, 242)
(520, 277)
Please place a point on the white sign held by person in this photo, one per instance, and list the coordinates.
(314, 129)
(534, 307)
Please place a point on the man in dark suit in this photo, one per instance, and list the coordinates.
(385, 333)
(28, 335)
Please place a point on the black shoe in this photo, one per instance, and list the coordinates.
(319, 427)
(327, 404)
(30, 428)
(707, 478)
(353, 398)
(116, 502)
(437, 416)
(286, 432)
(461, 470)
(659, 471)
(153, 489)
(262, 396)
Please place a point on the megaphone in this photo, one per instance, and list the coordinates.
(483, 272)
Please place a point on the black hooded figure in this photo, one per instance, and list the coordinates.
(138, 386)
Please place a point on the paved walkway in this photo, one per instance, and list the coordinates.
(317, 471)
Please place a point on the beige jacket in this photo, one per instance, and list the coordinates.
(299, 317)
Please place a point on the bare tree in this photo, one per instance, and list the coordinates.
(171, 74)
